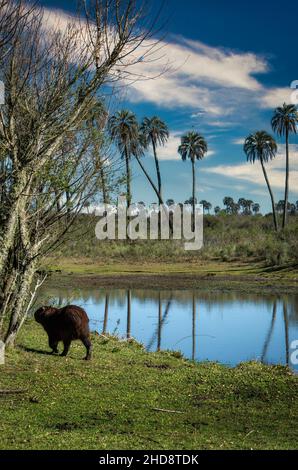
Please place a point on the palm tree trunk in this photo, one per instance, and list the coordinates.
(157, 167)
(285, 215)
(271, 195)
(128, 178)
(154, 189)
(193, 194)
(158, 182)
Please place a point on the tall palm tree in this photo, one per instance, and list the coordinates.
(284, 123)
(124, 131)
(262, 146)
(155, 132)
(193, 146)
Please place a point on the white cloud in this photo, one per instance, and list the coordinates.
(253, 173)
(199, 77)
(190, 74)
(239, 141)
(276, 97)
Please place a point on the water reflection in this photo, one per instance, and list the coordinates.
(269, 336)
(106, 315)
(225, 327)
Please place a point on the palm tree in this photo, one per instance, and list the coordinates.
(217, 210)
(247, 208)
(193, 146)
(155, 132)
(284, 122)
(256, 208)
(262, 146)
(124, 131)
(206, 205)
(242, 203)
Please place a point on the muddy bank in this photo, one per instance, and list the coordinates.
(207, 282)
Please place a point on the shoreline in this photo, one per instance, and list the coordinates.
(210, 276)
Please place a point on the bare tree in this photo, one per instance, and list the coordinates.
(52, 80)
(51, 86)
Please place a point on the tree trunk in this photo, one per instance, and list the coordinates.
(285, 215)
(154, 189)
(193, 194)
(128, 178)
(8, 231)
(7, 297)
(158, 183)
(271, 195)
(105, 195)
(157, 168)
(21, 297)
(68, 210)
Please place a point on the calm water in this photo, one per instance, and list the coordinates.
(228, 328)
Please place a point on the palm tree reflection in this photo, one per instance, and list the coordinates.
(193, 327)
(286, 321)
(128, 329)
(105, 320)
(269, 335)
(161, 320)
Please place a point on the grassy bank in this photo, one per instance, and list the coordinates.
(116, 401)
(227, 238)
(238, 250)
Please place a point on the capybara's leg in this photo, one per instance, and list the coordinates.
(53, 345)
(87, 343)
(66, 347)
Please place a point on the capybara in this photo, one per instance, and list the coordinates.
(65, 324)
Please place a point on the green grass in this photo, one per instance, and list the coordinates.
(112, 402)
(226, 239)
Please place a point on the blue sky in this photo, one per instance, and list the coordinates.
(229, 64)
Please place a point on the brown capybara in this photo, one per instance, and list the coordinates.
(65, 324)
